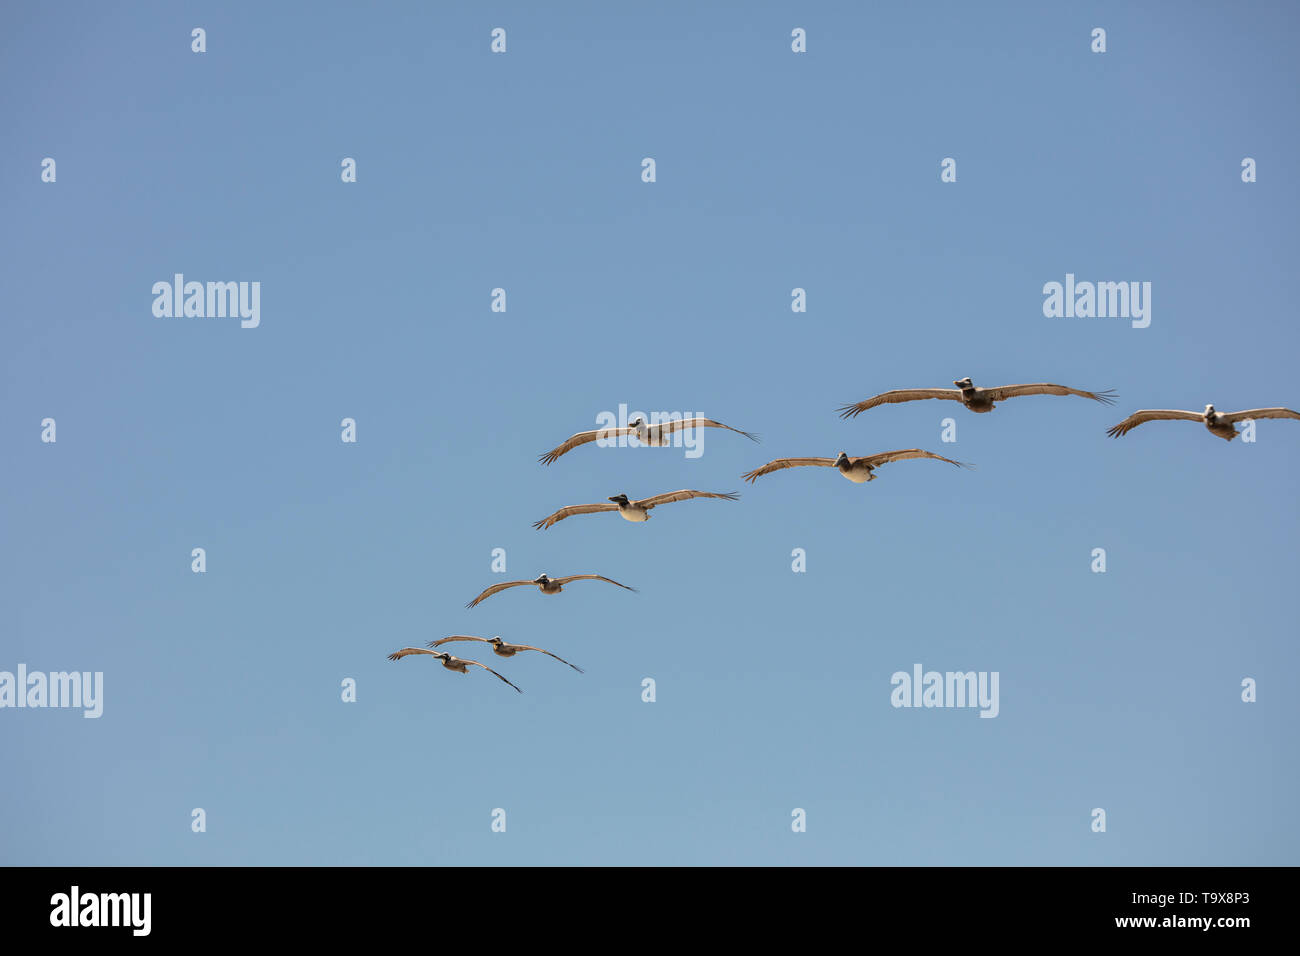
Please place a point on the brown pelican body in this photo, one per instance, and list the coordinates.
(976, 399)
(631, 510)
(1218, 426)
(856, 470)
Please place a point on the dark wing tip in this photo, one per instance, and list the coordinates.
(1107, 397)
(752, 436)
(849, 411)
(539, 525)
(576, 668)
(393, 657)
(751, 476)
(969, 466)
(1116, 430)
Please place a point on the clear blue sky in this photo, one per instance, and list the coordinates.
(523, 171)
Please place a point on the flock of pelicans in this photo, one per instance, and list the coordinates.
(858, 470)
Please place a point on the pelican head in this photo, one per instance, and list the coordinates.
(964, 383)
(636, 423)
(541, 579)
(496, 641)
(843, 459)
(1209, 410)
(620, 499)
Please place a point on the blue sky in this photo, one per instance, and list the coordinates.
(522, 171)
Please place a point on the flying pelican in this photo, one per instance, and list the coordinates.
(976, 399)
(1219, 423)
(659, 434)
(501, 649)
(449, 662)
(856, 470)
(545, 585)
(638, 510)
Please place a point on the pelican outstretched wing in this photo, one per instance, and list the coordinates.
(489, 670)
(1254, 413)
(527, 647)
(1106, 397)
(903, 454)
(898, 395)
(582, 438)
(495, 588)
(590, 577)
(660, 429)
(457, 637)
(780, 463)
(684, 495)
(570, 511)
(408, 651)
(1152, 415)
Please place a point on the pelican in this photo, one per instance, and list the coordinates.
(856, 470)
(976, 399)
(449, 662)
(501, 649)
(638, 510)
(659, 434)
(545, 585)
(1219, 423)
